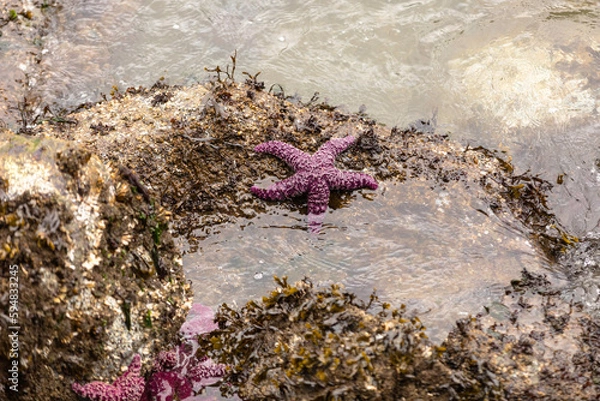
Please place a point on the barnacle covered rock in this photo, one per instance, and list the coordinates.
(99, 278)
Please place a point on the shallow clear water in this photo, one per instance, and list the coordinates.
(517, 76)
(430, 249)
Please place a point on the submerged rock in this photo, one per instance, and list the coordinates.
(99, 278)
(531, 345)
(23, 27)
(522, 80)
(581, 267)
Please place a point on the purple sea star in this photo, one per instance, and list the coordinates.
(177, 374)
(314, 174)
(128, 387)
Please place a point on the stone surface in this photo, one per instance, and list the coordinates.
(99, 276)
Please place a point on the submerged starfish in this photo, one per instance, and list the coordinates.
(128, 387)
(315, 174)
(177, 374)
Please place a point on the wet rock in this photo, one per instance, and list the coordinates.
(192, 150)
(581, 266)
(540, 347)
(583, 257)
(22, 26)
(99, 278)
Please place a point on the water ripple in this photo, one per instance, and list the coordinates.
(415, 245)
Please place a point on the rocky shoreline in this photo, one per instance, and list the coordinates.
(99, 277)
(89, 199)
(149, 153)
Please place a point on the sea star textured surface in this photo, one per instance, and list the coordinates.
(177, 374)
(128, 387)
(315, 174)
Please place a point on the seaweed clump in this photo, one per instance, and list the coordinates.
(316, 344)
(301, 343)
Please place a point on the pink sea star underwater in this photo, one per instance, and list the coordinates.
(128, 387)
(177, 374)
(315, 174)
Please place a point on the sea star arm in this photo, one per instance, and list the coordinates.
(98, 391)
(128, 387)
(334, 147)
(284, 189)
(286, 152)
(131, 374)
(318, 197)
(348, 180)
